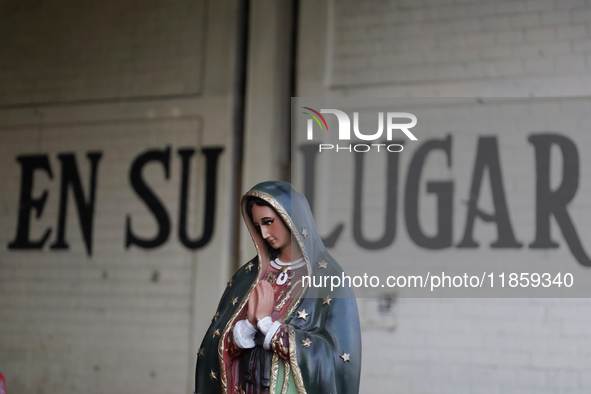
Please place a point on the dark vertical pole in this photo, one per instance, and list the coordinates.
(295, 17)
(242, 33)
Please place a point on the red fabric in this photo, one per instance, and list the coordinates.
(2, 384)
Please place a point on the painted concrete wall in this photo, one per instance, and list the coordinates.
(492, 50)
(124, 80)
(135, 83)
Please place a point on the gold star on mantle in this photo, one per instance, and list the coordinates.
(213, 375)
(215, 333)
(326, 300)
(304, 232)
(217, 314)
(249, 266)
(302, 314)
(200, 352)
(322, 264)
(234, 300)
(345, 357)
(229, 284)
(306, 342)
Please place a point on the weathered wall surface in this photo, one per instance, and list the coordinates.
(158, 79)
(109, 110)
(487, 49)
(382, 42)
(81, 50)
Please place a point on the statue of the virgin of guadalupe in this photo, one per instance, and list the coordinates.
(273, 331)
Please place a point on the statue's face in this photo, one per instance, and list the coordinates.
(270, 226)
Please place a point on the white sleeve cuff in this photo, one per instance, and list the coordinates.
(270, 334)
(264, 324)
(244, 334)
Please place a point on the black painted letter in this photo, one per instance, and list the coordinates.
(70, 177)
(391, 202)
(150, 199)
(444, 192)
(211, 165)
(310, 151)
(27, 203)
(554, 202)
(487, 156)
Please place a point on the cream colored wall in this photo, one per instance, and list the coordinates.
(470, 49)
(67, 327)
(123, 320)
